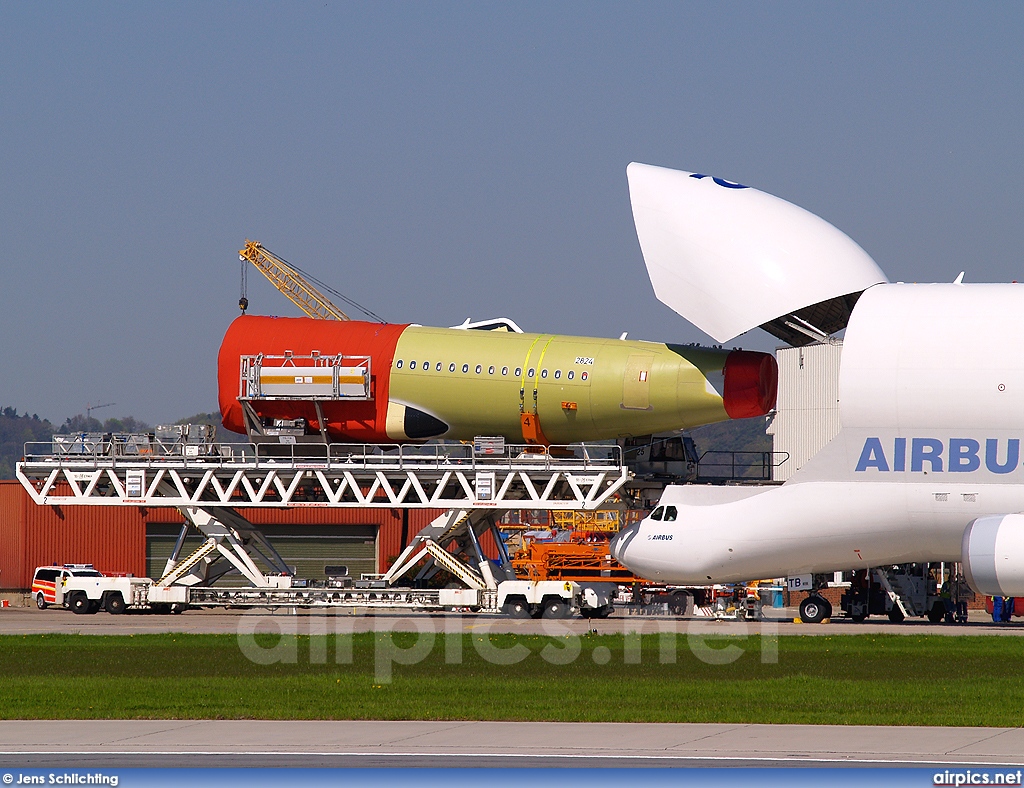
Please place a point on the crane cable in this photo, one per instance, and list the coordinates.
(331, 291)
(243, 300)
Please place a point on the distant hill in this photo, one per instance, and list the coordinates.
(202, 418)
(735, 435)
(82, 423)
(15, 431)
(18, 429)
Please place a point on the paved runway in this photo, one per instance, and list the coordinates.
(154, 743)
(30, 621)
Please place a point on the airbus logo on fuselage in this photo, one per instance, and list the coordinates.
(931, 455)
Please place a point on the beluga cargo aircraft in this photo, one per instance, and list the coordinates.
(927, 465)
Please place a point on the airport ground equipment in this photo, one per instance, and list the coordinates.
(212, 484)
(898, 591)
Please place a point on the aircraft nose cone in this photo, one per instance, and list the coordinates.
(618, 545)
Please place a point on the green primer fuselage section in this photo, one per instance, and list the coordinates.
(620, 388)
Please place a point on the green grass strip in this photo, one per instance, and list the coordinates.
(847, 679)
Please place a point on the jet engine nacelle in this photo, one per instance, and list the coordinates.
(993, 555)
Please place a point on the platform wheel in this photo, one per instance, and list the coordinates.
(115, 603)
(896, 615)
(517, 608)
(555, 608)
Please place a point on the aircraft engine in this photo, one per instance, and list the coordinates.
(993, 555)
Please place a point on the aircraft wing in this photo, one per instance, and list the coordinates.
(730, 258)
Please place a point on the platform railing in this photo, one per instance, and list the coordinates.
(107, 451)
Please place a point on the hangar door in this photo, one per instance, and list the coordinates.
(308, 548)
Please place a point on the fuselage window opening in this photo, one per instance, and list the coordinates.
(490, 370)
(398, 364)
(558, 374)
(657, 513)
(570, 374)
(543, 373)
(465, 368)
(519, 371)
(670, 514)
(412, 365)
(438, 367)
(504, 370)
(531, 373)
(479, 369)
(451, 367)
(426, 366)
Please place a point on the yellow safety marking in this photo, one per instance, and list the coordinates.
(526, 366)
(279, 379)
(536, 378)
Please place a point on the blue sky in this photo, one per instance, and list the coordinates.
(437, 161)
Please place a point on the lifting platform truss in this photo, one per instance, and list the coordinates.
(213, 483)
(273, 475)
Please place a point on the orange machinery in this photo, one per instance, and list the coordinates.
(584, 556)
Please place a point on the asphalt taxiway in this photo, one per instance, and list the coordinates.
(162, 743)
(31, 621)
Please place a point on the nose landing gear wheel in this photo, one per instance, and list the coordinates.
(815, 609)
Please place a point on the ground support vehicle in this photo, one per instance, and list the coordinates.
(213, 484)
(517, 598)
(898, 592)
(49, 582)
(582, 555)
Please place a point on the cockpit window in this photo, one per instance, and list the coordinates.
(670, 514)
(657, 513)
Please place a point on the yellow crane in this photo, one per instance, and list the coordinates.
(289, 281)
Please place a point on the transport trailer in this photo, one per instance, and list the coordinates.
(517, 598)
(214, 484)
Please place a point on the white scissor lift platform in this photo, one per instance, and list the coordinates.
(212, 484)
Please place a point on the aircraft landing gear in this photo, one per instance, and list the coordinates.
(815, 609)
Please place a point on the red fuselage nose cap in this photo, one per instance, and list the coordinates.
(751, 383)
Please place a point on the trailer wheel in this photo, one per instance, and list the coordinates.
(516, 607)
(814, 610)
(40, 601)
(606, 611)
(555, 608)
(79, 603)
(859, 618)
(678, 603)
(115, 603)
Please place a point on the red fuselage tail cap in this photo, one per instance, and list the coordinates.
(751, 384)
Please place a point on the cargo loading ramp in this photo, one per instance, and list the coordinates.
(113, 471)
